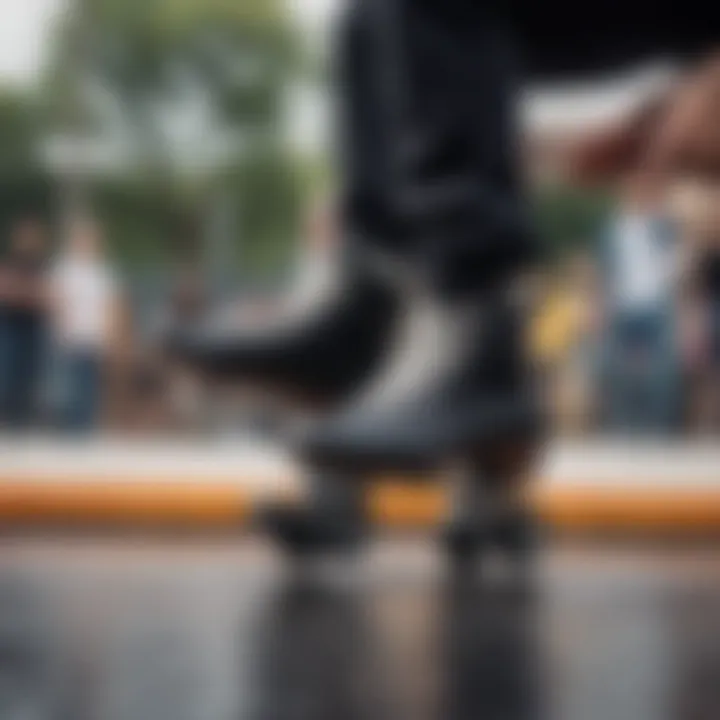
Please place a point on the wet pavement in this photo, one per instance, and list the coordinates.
(132, 630)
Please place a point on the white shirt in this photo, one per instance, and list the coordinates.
(84, 292)
(644, 263)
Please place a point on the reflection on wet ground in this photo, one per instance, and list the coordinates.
(130, 631)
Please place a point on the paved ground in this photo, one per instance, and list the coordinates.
(140, 630)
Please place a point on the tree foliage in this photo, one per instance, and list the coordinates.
(19, 131)
(195, 90)
(569, 217)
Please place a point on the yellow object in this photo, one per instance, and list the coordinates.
(556, 327)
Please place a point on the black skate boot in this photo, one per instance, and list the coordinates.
(457, 384)
(320, 346)
(330, 336)
(456, 389)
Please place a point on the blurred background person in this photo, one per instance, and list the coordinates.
(696, 205)
(674, 140)
(23, 315)
(186, 300)
(640, 265)
(85, 305)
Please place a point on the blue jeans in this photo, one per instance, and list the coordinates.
(714, 330)
(81, 379)
(642, 372)
(22, 345)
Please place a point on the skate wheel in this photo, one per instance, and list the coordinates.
(300, 533)
(464, 544)
(518, 537)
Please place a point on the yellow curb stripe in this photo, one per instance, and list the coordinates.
(676, 510)
(122, 503)
(394, 504)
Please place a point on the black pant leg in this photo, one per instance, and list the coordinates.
(364, 131)
(24, 372)
(452, 68)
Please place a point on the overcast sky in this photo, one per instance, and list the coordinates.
(25, 25)
(24, 29)
(313, 13)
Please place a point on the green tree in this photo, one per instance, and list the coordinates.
(19, 133)
(25, 188)
(569, 218)
(195, 90)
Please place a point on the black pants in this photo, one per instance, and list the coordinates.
(430, 149)
(22, 341)
(430, 89)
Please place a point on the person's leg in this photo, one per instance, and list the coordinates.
(667, 376)
(652, 392)
(5, 354)
(455, 70)
(615, 386)
(24, 372)
(710, 396)
(366, 121)
(82, 372)
(67, 374)
(630, 386)
(15, 375)
(38, 365)
(90, 393)
(456, 386)
(644, 394)
(643, 400)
